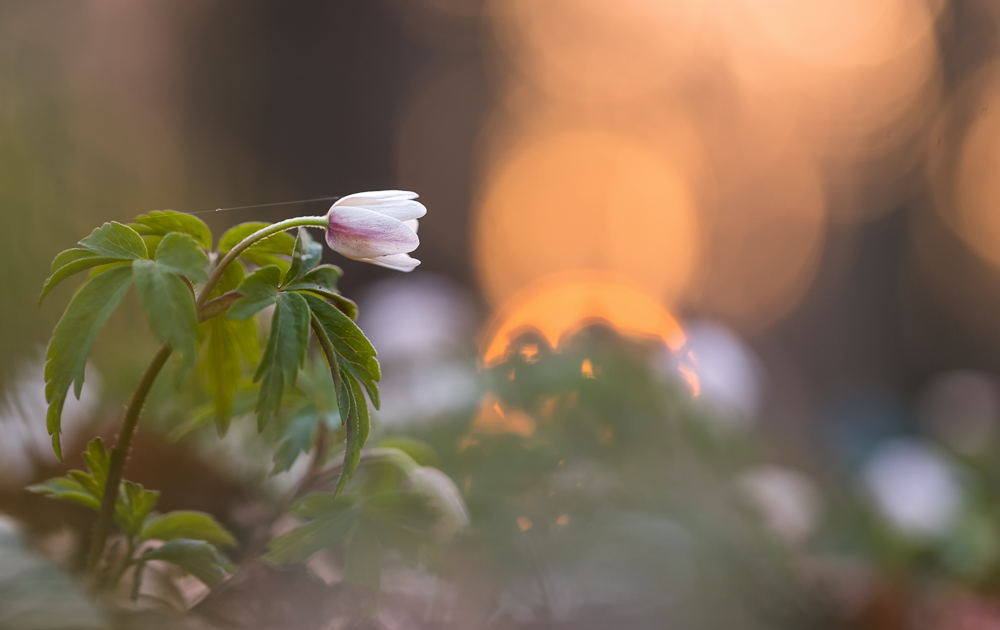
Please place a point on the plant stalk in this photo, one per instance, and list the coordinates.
(260, 235)
(119, 454)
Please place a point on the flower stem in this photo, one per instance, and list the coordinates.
(270, 230)
(119, 454)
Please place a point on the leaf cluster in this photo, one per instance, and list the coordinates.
(304, 298)
(191, 540)
(366, 524)
(166, 255)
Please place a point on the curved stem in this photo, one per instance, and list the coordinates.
(270, 230)
(119, 454)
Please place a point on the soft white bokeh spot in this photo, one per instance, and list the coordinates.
(423, 327)
(24, 439)
(914, 487)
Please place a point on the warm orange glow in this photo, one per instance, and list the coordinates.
(561, 304)
(529, 352)
(524, 523)
(974, 209)
(690, 377)
(698, 149)
(764, 233)
(840, 33)
(587, 370)
(595, 50)
(587, 200)
(494, 419)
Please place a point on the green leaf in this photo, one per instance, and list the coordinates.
(225, 342)
(187, 524)
(197, 557)
(152, 244)
(259, 291)
(261, 253)
(114, 240)
(70, 255)
(133, 506)
(67, 490)
(169, 305)
(98, 461)
(73, 337)
(162, 222)
(345, 306)
(85, 488)
(363, 420)
(305, 256)
(284, 354)
(78, 260)
(180, 254)
(363, 561)
(350, 417)
(349, 342)
(302, 542)
(322, 278)
(296, 437)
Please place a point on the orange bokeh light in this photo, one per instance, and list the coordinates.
(973, 209)
(586, 200)
(563, 303)
(598, 51)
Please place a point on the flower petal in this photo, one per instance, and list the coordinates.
(399, 262)
(413, 224)
(361, 233)
(366, 198)
(403, 209)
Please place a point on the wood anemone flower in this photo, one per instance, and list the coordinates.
(378, 227)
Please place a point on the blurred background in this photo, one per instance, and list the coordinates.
(774, 221)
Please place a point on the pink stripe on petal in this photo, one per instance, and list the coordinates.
(361, 233)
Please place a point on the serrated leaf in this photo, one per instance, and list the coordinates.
(301, 543)
(349, 342)
(322, 278)
(114, 240)
(98, 462)
(187, 524)
(225, 342)
(259, 290)
(296, 438)
(85, 488)
(305, 256)
(169, 305)
(67, 490)
(70, 255)
(73, 337)
(284, 354)
(73, 264)
(350, 417)
(344, 305)
(133, 506)
(162, 222)
(363, 561)
(197, 557)
(364, 421)
(180, 254)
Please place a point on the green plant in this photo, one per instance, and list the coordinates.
(201, 303)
